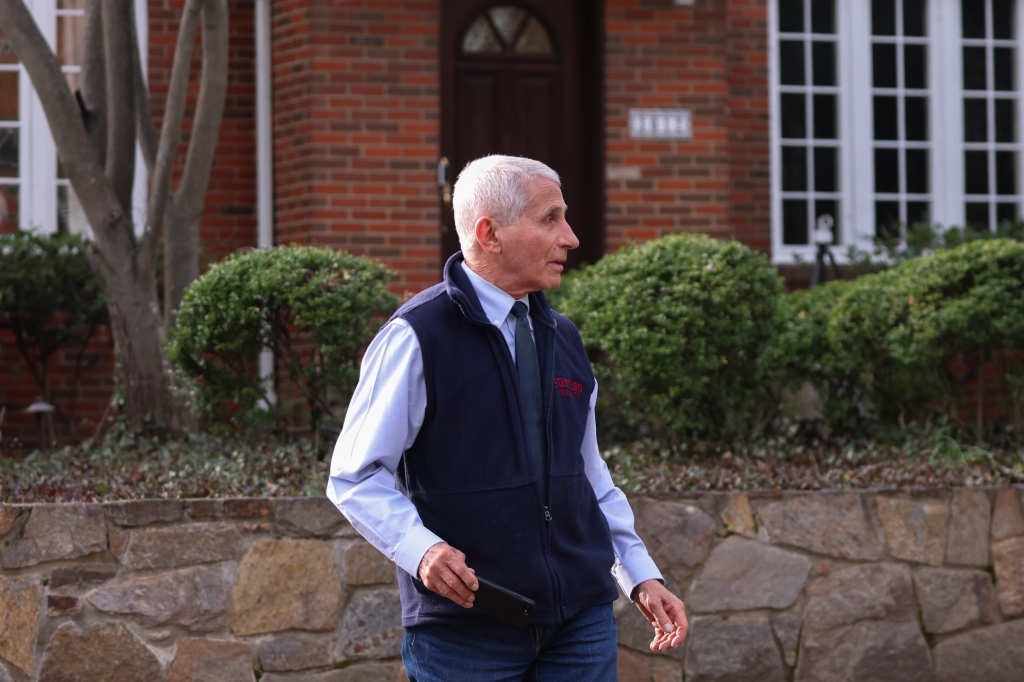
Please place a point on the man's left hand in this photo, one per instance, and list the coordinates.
(666, 613)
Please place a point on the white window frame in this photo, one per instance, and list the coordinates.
(37, 151)
(856, 122)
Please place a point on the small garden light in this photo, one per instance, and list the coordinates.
(40, 408)
(824, 236)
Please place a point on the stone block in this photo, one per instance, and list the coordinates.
(970, 519)
(738, 649)
(309, 515)
(83, 573)
(106, 653)
(205, 508)
(1007, 517)
(952, 599)
(58, 531)
(180, 545)
(678, 536)
(787, 630)
(371, 626)
(1008, 561)
(365, 565)
(362, 672)
(859, 624)
(992, 654)
(212, 660)
(834, 525)
(20, 603)
(58, 605)
(143, 512)
(636, 632)
(6, 674)
(738, 516)
(633, 667)
(741, 575)
(8, 515)
(286, 585)
(914, 531)
(194, 598)
(281, 654)
(247, 508)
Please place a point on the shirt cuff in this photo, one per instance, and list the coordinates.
(634, 571)
(409, 552)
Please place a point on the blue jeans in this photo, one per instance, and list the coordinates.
(584, 648)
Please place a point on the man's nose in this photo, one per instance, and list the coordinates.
(569, 237)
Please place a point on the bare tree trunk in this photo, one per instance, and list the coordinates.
(95, 138)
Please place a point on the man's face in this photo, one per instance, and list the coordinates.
(534, 248)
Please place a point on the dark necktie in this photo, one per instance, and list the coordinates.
(530, 400)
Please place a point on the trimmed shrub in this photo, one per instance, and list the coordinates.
(315, 308)
(676, 327)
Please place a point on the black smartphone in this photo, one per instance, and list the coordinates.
(502, 603)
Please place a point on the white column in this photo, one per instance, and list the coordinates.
(264, 153)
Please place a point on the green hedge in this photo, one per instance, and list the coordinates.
(677, 327)
(317, 309)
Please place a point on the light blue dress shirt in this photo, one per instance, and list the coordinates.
(382, 422)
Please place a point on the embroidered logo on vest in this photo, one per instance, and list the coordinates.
(568, 387)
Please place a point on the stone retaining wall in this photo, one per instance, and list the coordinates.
(846, 586)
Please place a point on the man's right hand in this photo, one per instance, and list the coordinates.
(443, 570)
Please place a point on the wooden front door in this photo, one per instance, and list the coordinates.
(525, 79)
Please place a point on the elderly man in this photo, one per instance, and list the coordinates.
(470, 449)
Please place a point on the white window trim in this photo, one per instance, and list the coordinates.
(37, 151)
(856, 116)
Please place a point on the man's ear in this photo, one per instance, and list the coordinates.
(487, 235)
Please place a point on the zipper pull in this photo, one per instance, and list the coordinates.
(547, 514)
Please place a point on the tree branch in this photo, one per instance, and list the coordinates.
(174, 111)
(94, 78)
(143, 114)
(117, 44)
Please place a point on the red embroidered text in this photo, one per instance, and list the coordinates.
(568, 387)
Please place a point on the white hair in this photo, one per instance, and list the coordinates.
(494, 186)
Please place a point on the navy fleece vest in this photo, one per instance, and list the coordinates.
(469, 474)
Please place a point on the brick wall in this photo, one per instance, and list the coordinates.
(712, 59)
(356, 121)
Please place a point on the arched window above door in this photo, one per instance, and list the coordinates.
(507, 30)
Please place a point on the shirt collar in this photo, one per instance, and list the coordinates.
(496, 303)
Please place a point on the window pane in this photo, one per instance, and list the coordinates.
(794, 221)
(69, 40)
(887, 167)
(887, 218)
(825, 117)
(974, 69)
(480, 39)
(977, 215)
(534, 39)
(975, 120)
(823, 57)
(8, 95)
(1006, 120)
(825, 169)
(9, 152)
(1003, 68)
(8, 209)
(913, 18)
(791, 16)
(914, 71)
(976, 172)
(7, 55)
(918, 212)
(1006, 172)
(883, 65)
(1002, 19)
(794, 115)
(917, 118)
(883, 17)
(507, 19)
(917, 171)
(823, 18)
(830, 208)
(1006, 213)
(791, 56)
(886, 122)
(794, 169)
(973, 18)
